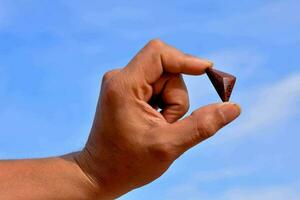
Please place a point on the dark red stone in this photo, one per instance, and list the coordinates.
(222, 82)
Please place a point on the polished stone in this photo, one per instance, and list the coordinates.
(223, 82)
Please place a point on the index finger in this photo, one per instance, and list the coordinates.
(157, 57)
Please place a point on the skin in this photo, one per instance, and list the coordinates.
(131, 142)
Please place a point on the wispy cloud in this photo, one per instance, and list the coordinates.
(223, 173)
(270, 192)
(281, 192)
(240, 61)
(271, 105)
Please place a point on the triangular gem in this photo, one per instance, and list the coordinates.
(222, 82)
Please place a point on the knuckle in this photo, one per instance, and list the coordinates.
(207, 129)
(155, 43)
(204, 127)
(220, 118)
(111, 90)
(184, 104)
(108, 75)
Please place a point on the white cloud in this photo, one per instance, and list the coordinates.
(272, 192)
(193, 188)
(185, 191)
(242, 62)
(270, 105)
(264, 193)
(223, 173)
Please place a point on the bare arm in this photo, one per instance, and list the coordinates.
(50, 178)
(131, 143)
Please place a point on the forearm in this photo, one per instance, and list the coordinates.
(50, 178)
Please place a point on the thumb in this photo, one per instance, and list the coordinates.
(203, 123)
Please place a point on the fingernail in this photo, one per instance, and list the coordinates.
(230, 111)
(210, 63)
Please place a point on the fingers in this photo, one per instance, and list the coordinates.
(203, 123)
(157, 57)
(173, 96)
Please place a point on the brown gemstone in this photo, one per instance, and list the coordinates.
(222, 82)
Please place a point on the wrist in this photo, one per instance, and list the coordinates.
(88, 188)
(105, 180)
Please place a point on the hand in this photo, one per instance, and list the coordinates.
(131, 142)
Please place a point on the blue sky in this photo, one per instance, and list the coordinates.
(54, 53)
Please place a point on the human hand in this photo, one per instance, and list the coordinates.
(133, 143)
